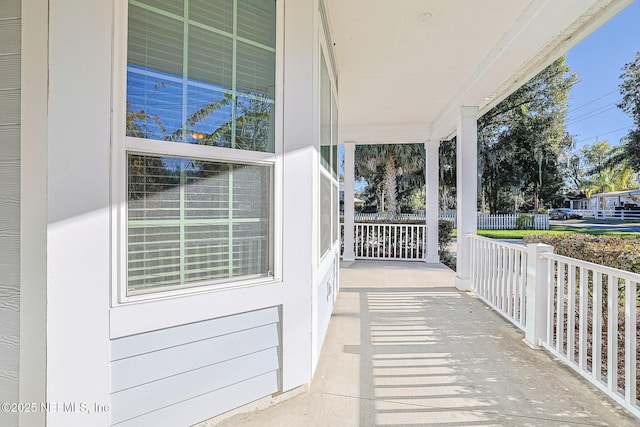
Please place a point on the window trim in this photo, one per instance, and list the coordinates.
(122, 145)
(326, 53)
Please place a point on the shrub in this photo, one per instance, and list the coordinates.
(524, 222)
(615, 252)
(445, 232)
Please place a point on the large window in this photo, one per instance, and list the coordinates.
(200, 81)
(328, 159)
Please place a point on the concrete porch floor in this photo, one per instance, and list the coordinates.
(405, 348)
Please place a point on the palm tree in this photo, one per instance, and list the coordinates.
(396, 159)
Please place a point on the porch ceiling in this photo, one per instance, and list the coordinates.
(407, 66)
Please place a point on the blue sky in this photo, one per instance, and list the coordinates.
(598, 60)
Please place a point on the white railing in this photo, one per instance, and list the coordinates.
(585, 301)
(358, 217)
(568, 307)
(390, 241)
(499, 277)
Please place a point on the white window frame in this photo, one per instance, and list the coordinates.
(326, 52)
(122, 145)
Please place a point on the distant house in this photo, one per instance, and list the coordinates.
(614, 199)
(358, 203)
(581, 201)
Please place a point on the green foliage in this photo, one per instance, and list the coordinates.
(447, 168)
(630, 104)
(521, 141)
(445, 234)
(524, 222)
(615, 252)
(445, 231)
(602, 168)
(394, 172)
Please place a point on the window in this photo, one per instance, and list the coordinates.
(328, 159)
(200, 143)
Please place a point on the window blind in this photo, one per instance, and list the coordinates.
(192, 221)
(211, 81)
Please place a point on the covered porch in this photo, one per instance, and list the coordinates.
(398, 353)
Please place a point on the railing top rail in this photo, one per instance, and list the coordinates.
(384, 224)
(622, 274)
(498, 242)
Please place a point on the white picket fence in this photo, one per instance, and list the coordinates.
(390, 241)
(485, 221)
(510, 221)
(583, 313)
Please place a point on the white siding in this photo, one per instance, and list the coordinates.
(9, 205)
(197, 371)
(326, 295)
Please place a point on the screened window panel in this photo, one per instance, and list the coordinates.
(153, 189)
(250, 198)
(336, 212)
(256, 21)
(210, 57)
(325, 214)
(251, 238)
(195, 221)
(255, 70)
(154, 256)
(206, 253)
(334, 136)
(214, 13)
(155, 41)
(325, 116)
(207, 194)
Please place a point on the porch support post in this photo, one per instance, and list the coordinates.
(432, 165)
(467, 191)
(349, 211)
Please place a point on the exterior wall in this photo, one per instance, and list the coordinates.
(10, 27)
(84, 347)
(326, 293)
(183, 375)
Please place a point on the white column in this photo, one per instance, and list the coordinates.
(349, 211)
(467, 190)
(300, 174)
(432, 166)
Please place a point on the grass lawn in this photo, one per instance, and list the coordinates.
(555, 229)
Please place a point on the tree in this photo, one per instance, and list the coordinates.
(447, 168)
(521, 141)
(630, 104)
(605, 168)
(384, 166)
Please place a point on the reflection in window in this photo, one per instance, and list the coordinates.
(207, 83)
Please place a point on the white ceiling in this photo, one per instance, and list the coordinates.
(406, 66)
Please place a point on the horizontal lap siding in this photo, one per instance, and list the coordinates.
(194, 372)
(9, 205)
